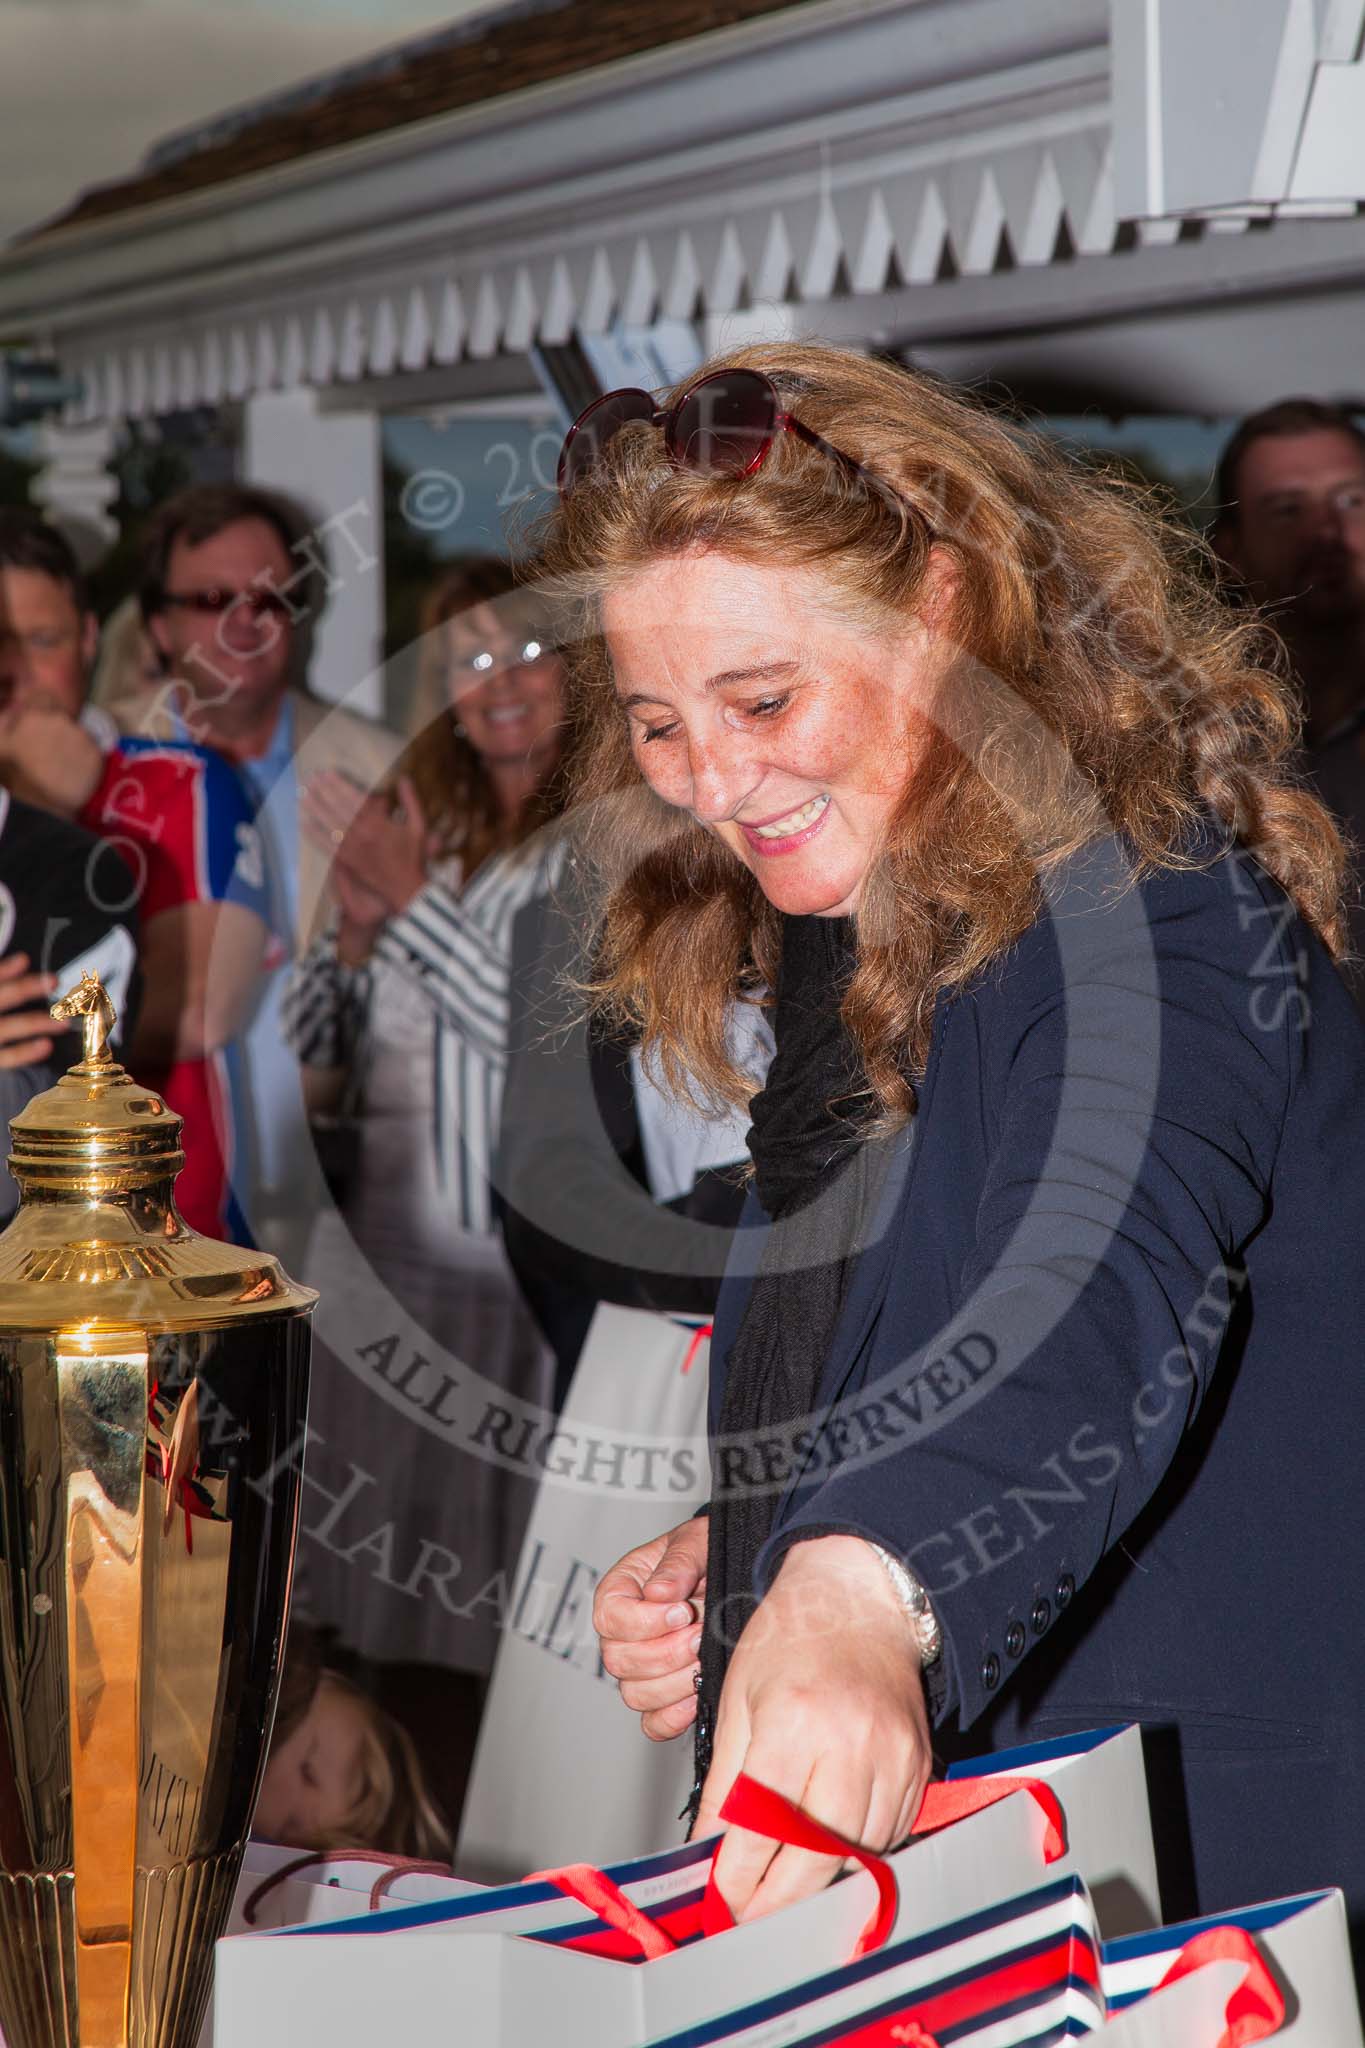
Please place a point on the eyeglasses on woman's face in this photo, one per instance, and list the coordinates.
(504, 686)
(482, 662)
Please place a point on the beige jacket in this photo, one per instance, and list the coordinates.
(325, 736)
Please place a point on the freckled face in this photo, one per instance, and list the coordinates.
(787, 731)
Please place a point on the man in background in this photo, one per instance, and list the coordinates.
(1291, 485)
(173, 836)
(66, 902)
(233, 584)
(57, 886)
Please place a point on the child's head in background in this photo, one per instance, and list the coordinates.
(343, 1774)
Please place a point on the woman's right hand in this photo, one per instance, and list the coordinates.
(381, 845)
(648, 1614)
(364, 913)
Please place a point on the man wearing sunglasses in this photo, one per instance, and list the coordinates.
(233, 583)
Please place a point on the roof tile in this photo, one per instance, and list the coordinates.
(578, 36)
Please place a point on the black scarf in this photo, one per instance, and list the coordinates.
(805, 1144)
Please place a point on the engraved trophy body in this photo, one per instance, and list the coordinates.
(153, 1388)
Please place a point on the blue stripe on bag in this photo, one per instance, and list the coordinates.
(837, 2030)
(1035, 1753)
(579, 1930)
(780, 2002)
(1168, 1941)
(507, 1897)
(1065, 2030)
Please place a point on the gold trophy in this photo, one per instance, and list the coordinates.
(153, 1387)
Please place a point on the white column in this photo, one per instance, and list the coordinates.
(329, 463)
(76, 486)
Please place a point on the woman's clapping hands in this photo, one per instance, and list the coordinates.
(379, 850)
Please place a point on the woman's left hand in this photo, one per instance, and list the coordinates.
(384, 849)
(823, 1702)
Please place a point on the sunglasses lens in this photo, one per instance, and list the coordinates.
(725, 425)
(593, 429)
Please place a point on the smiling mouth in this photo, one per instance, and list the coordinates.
(785, 834)
(505, 714)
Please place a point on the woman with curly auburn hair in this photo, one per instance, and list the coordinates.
(1043, 1348)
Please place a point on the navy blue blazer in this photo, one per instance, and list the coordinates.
(1098, 1380)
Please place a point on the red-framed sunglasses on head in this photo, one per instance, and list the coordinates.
(723, 425)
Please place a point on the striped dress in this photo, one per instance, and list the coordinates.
(455, 951)
(424, 1026)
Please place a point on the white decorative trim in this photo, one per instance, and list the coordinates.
(847, 144)
(842, 153)
(869, 231)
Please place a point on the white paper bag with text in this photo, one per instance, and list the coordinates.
(562, 1772)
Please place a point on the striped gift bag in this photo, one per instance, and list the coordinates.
(1019, 1975)
(1279, 1972)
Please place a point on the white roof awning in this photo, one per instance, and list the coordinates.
(840, 151)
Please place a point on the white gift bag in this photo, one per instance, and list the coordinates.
(1102, 1782)
(523, 1962)
(283, 1887)
(1298, 1957)
(562, 1771)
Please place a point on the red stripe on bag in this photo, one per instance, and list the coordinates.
(681, 1923)
(593, 1889)
(1256, 2008)
(918, 2025)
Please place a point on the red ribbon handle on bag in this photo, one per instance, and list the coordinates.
(403, 1866)
(395, 1867)
(701, 1335)
(765, 1812)
(1255, 2010)
(955, 1799)
(595, 1890)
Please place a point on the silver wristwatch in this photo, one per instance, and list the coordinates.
(914, 1599)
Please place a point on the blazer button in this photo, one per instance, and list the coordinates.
(1066, 1586)
(1015, 1639)
(1041, 1616)
(990, 1672)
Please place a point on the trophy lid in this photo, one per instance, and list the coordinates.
(97, 1239)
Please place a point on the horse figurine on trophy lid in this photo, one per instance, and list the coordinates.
(89, 1001)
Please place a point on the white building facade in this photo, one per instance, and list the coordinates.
(1149, 205)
